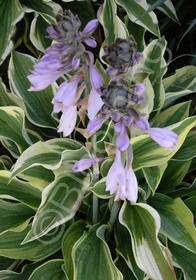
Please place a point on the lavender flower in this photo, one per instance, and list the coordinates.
(84, 164)
(164, 137)
(65, 55)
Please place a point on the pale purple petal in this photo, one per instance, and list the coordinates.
(68, 120)
(96, 124)
(164, 137)
(90, 42)
(67, 92)
(75, 63)
(122, 142)
(131, 185)
(142, 124)
(119, 128)
(95, 78)
(84, 164)
(127, 120)
(90, 27)
(116, 178)
(42, 81)
(140, 88)
(94, 104)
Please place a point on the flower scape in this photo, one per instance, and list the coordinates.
(114, 97)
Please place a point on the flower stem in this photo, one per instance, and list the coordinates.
(95, 209)
(114, 212)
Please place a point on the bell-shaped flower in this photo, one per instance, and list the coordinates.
(116, 178)
(86, 163)
(164, 137)
(67, 92)
(68, 120)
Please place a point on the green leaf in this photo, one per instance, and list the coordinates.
(14, 216)
(113, 26)
(60, 201)
(182, 83)
(176, 220)
(39, 34)
(51, 270)
(124, 269)
(138, 33)
(92, 258)
(12, 127)
(50, 155)
(135, 9)
(143, 224)
(10, 13)
(10, 245)
(185, 259)
(10, 275)
(37, 105)
(154, 63)
(126, 251)
(6, 98)
(19, 190)
(173, 175)
(172, 115)
(188, 148)
(153, 7)
(99, 189)
(148, 153)
(167, 8)
(48, 9)
(38, 176)
(191, 26)
(191, 204)
(74, 232)
(153, 175)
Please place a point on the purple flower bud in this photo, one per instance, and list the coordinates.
(127, 120)
(75, 63)
(89, 57)
(68, 120)
(90, 42)
(164, 137)
(131, 185)
(96, 124)
(111, 71)
(90, 27)
(140, 88)
(94, 104)
(84, 164)
(119, 128)
(116, 178)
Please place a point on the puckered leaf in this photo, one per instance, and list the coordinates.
(143, 224)
(92, 258)
(176, 220)
(148, 153)
(37, 105)
(10, 13)
(135, 9)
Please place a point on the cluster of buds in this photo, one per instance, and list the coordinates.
(118, 99)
